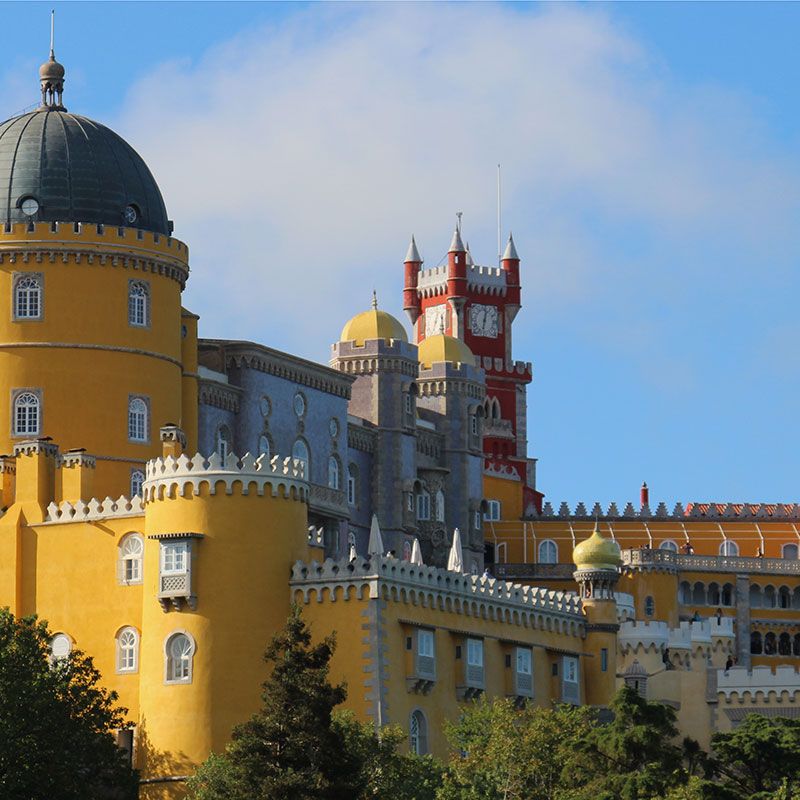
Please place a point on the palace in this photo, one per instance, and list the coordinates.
(165, 498)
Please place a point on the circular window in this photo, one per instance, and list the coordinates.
(60, 645)
(333, 427)
(130, 214)
(299, 405)
(29, 206)
(264, 406)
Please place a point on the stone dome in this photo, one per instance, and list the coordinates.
(597, 552)
(441, 347)
(373, 324)
(75, 170)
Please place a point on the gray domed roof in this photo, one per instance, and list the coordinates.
(77, 171)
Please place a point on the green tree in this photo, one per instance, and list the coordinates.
(632, 757)
(505, 753)
(296, 748)
(56, 723)
(758, 758)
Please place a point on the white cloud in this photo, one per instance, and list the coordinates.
(296, 161)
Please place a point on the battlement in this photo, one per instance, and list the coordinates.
(486, 280)
(635, 634)
(739, 682)
(742, 512)
(165, 477)
(432, 281)
(433, 587)
(117, 246)
(94, 510)
(500, 367)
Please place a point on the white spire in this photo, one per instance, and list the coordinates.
(416, 553)
(511, 251)
(470, 262)
(375, 546)
(455, 561)
(456, 246)
(413, 253)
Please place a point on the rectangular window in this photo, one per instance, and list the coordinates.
(410, 502)
(425, 643)
(173, 558)
(423, 506)
(474, 424)
(408, 403)
(570, 669)
(492, 511)
(524, 661)
(28, 295)
(351, 490)
(603, 659)
(475, 652)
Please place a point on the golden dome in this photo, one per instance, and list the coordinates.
(372, 324)
(597, 552)
(441, 347)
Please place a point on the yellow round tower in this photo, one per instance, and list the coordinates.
(90, 282)
(597, 562)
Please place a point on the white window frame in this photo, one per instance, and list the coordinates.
(138, 419)
(423, 505)
(138, 304)
(475, 648)
(544, 557)
(728, 548)
(137, 482)
(28, 296)
(179, 668)
(264, 446)
(131, 553)
(127, 642)
(426, 643)
(223, 444)
(334, 472)
(418, 732)
(440, 506)
(571, 674)
(493, 511)
(525, 665)
(306, 459)
(178, 554)
(477, 520)
(352, 471)
(669, 545)
(26, 413)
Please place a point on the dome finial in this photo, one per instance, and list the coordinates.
(51, 76)
(374, 300)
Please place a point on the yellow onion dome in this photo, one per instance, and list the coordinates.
(597, 552)
(372, 324)
(441, 347)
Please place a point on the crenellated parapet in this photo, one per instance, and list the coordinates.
(94, 510)
(431, 587)
(741, 512)
(739, 684)
(168, 477)
(636, 635)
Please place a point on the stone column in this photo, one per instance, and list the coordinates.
(743, 620)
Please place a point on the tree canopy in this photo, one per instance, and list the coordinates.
(56, 723)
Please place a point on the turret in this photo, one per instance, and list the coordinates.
(597, 561)
(413, 264)
(457, 283)
(510, 264)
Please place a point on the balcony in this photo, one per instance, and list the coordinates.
(327, 502)
(665, 559)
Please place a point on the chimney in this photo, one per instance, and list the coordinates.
(173, 440)
(644, 496)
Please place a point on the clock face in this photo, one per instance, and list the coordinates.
(29, 206)
(435, 320)
(483, 321)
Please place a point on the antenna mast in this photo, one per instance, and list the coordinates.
(499, 229)
(52, 33)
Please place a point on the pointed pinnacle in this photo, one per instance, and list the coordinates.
(511, 250)
(457, 246)
(413, 254)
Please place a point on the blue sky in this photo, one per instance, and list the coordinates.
(651, 156)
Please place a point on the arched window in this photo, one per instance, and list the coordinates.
(699, 594)
(756, 598)
(548, 552)
(26, 414)
(137, 481)
(769, 597)
(668, 545)
(60, 646)
(179, 657)
(784, 597)
(127, 650)
(300, 452)
(333, 472)
(223, 442)
(649, 606)
(263, 446)
(784, 644)
(729, 548)
(418, 733)
(755, 643)
(727, 594)
(789, 551)
(138, 304)
(770, 645)
(796, 645)
(423, 505)
(685, 593)
(713, 594)
(137, 419)
(352, 477)
(28, 297)
(440, 506)
(131, 553)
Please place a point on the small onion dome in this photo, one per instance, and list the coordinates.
(635, 670)
(372, 324)
(441, 347)
(597, 552)
(51, 70)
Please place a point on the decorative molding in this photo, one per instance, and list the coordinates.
(400, 581)
(36, 447)
(79, 346)
(361, 438)
(739, 683)
(76, 458)
(219, 395)
(635, 635)
(168, 477)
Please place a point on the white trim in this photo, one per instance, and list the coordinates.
(134, 667)
(169, 665)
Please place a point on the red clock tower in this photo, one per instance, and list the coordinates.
(478, 304)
